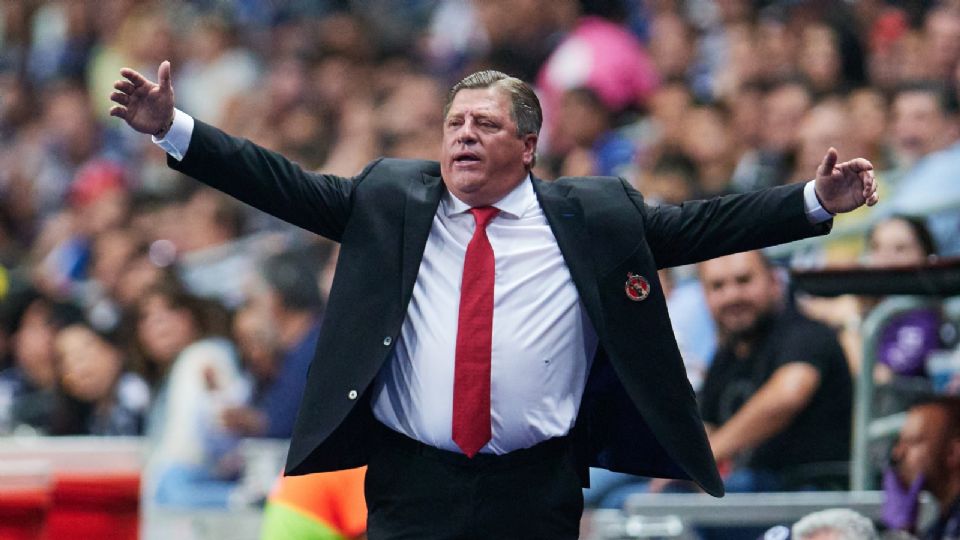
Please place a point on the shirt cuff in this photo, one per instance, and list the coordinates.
(177, 140)
(811, 205)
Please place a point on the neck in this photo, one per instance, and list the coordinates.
(743, 342)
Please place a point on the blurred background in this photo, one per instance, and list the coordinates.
(149, 324)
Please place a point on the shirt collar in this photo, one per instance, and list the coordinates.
(514, 204)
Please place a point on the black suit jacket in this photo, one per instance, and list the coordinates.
(638, 413)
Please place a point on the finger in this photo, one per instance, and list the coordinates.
(120, 97)
(829, 161)
(126, 87)
(137, 79)
(118, 111)
(163, 75)
(869, 184)
(873, 199)
(856, 165)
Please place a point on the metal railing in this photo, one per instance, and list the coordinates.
(675, 515)
(866, 427)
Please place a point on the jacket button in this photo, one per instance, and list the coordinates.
(352, 394)
(387, 341)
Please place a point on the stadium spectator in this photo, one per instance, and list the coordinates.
(96, 395)
(708, 142)
(603, 56)
(111, 254)
(942, 35)
(869, 106)
(783, 106)
(288, 306)
(196, 377)
(29, 385)
(218, 71)
(777, 396)
(926, 457)
(921, 123)
(671, 180)
(833, 524)
(908, 338)
(598, 149)
(927, 188)
(212, 262)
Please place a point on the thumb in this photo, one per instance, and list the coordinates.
(829, 161)
(163, 75)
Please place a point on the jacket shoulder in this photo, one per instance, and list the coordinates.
(402, 167)
(590, 182)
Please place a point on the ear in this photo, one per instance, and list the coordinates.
(529, 149)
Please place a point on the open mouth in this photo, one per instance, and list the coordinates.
(466, 157)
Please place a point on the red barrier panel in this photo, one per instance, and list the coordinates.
(23, 513)
(94, 507)
(92, 486)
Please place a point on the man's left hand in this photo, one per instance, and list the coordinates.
(842, 187)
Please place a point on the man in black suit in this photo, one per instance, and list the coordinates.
(489, 335)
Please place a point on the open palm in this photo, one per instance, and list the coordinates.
(146, 106)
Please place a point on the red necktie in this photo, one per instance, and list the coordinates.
(471, 379)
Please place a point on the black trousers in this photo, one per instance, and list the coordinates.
(418, 492)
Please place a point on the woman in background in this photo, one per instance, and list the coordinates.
(97, 396)
(907, 338)
(191, 459)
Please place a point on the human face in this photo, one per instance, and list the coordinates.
(33, 345)
(163, 330)
(256, 336)
(893, 243)
(482, 158)
(740, 290)
(918, 124)
(89, 365)
(924, 447)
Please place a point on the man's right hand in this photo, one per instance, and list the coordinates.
(146, 106)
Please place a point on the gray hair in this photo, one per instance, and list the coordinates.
(524, 105)
(848, 525)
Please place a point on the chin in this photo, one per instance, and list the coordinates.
(466, 183)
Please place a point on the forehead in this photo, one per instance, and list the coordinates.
(491, 100)
(731, 266)
(894, 230)
(74, 336)
(916, 99)
(925, 419)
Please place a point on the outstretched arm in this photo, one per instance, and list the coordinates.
(698, 230)
(261, 178)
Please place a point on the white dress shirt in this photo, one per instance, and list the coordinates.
(543, 342)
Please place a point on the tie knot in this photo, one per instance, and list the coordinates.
(483, 215)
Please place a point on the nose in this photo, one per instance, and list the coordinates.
(466, 133)
(896, 453)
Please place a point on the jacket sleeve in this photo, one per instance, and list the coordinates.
(266, 180)
(695, 231)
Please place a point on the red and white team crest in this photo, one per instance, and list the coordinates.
(637, 287)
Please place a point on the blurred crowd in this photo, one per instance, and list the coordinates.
(134, 301)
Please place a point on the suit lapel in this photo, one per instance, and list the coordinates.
(423, 197)
(565, 217)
